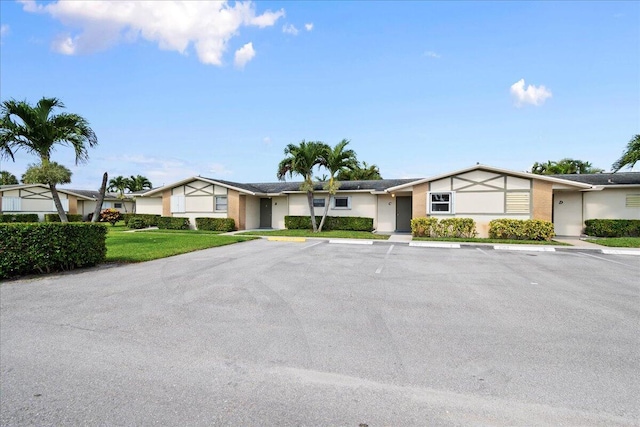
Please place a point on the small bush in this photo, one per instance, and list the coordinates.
(448, 227)
(50, 217)
(348, 223)
(216, 224)
(19, 218)
(110, 215)
(423, 226)
(137, 223)
(518, 229)
(47, 247)
(150, 219)
(612, 227)
(173, 223)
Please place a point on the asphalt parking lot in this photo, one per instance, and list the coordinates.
(280, 333)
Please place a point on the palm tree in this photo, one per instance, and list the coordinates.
(7, 178)
(630, 156)
(360, 173)
(336, 160)
(38, 131)
(563, 167)
(300, 160)
(139, 183)
(119, 184)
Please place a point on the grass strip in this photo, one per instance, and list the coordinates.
(617, 242)
(334, 234)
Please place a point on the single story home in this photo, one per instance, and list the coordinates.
(480, 192)
(37, 198)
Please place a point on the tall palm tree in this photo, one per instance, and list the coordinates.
(38, 130)
(360, 173)
(7, 178)
(119, 184)
(630, 156)
(300, 160)
(336, 159)
(139, 183)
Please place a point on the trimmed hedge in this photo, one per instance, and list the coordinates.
(19, 218)
(47, 247)
(173, 223)
(137, 223)
(56, 218)
(612, 227)
(348, 223)
(216, 224)
(448, 227)
(521, 229)
(149, 219)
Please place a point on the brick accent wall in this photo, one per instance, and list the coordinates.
(73, 205)
(420, 200)
(166, 203)
(242, 223)
(542, 200)
(233, 206)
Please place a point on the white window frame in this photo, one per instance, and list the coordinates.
(217, 203)
(11, 204)
(451, 202)
(321, 202)
(335, 198)
(178, 203)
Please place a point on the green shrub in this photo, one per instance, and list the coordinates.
(56, 218)
(350, 223)
(519, 229)
(423, 226)
(19, 218)
(612, 227)
(173, 223)
(216, 224)
(137, 223)
(110, 215)
(47, 247)
(149, 220)
(448, 227)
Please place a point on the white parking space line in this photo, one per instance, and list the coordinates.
(482, 251)
(524, 248)
(604, 259)
(389, 251)
(353, 242)
(379, 270)
(620, 252)
(312, 245)
(436, 245)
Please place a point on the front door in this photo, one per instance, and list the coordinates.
(265, 213)
(567, 213)
(403, 213)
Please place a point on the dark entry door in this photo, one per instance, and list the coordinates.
(265, 213)
(403, 213)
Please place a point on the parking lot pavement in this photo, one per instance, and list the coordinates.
(312, 333)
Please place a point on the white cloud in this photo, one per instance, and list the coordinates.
(290, 29)
(244, 55)
(531, 95)
(308, 26)
(266, 140)
(173, 25)
(432, 54)
(218, 169)
(4, 30)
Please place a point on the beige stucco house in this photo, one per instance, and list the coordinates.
(480, 192)
(36, 198)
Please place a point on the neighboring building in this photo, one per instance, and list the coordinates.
(37, 198)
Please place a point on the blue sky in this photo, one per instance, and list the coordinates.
(420, 88)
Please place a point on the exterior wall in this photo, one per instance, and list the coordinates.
(610, 204)
(86, 207)
(386, 218)
(73, 205)
(279, 208)
(166, 203)
(252, 215)
(419, 199)
(542, 200)
(567, 213)
(362, 204)
(233, 207)
(149, 205)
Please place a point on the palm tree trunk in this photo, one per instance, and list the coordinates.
(324, 215)
(103, 189)
(311, 211)
(56, 201)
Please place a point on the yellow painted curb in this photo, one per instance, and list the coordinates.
(286, 239)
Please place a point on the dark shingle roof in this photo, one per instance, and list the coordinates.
(619, 178)
(280, 187)
(93, 194)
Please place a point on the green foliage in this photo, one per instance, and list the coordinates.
(47, 247)
(110, 215)
(360, 173)
(138, 183)
(630, 156)
(448, 227)
(19, 218)
(56, 217)
(137, 223)
(613, 227)
(352, 223)
(564, 166)
(47, 173)
(7, 178)
(150, 220)
(216, 224)
(173, 223)
(518, 229)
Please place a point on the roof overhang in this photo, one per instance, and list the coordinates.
(194, 178)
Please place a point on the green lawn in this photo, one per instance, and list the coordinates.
(617, 242)
(153, 244)
(486, 240)
(334, 234)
